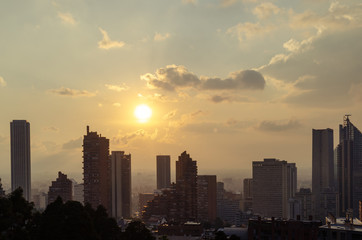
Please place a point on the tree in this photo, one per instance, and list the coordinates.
(137, 230)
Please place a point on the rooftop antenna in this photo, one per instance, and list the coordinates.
(346, 119)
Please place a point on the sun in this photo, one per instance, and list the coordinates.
(143, 113)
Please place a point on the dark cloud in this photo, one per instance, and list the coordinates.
(219, 99)
(174, 77)
(276, 126)
(72, 144)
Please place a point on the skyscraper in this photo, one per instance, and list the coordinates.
(248, 194)
(20, 156)
(163, 171)
(121, 184)
(349, 161)
(270, 188)
(96, 170)
(322, 168)
(206, 198)
(2, 192)
(186, 187)
(61, 187)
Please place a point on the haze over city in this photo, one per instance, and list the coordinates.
(229, 81)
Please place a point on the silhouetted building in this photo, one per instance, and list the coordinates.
(341, 229)
(247, 204)
(163, 171)
(96, 170)
(143, 199)
(61, 187)
(20, 157)
(121, 184)
(283, 229)
(349, 160)
(78, 193)
(206, 198)
(2, 192)
(322, 171)
(185, 229)
(228, 205)
(40, 201)
(272, 186)
(304, 196)
(186, 187)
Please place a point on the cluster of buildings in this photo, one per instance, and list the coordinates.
(270, 193)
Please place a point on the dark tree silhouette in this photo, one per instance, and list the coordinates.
(137, 230)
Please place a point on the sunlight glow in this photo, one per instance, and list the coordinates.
(143, 113)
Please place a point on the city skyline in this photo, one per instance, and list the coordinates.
(231, 81)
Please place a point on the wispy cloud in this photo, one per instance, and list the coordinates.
(227, 3)
(265, 10)
(161, 37)
(278, 126)
(116, 104)
(248, 30)
(107, 43)
(125, 138)
(67, 18)
(51, 129)
(118, 88)
(71, 92)
(73, 144)
(2, 82)
(189, 1)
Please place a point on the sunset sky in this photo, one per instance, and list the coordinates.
(230, 81)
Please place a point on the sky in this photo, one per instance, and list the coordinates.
(229, 81)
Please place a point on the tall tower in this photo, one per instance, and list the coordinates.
(186, 187)
(206, 198)
(163, 171)
(20, 156)
(349, 167)
(270, 188)
(322, 167)
(121, 184)
(96, 170)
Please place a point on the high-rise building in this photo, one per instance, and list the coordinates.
(291, 180)
(304, 196)
(96, 170)
(228, 205)
(121, 184)
(248, 194)
(206, 198)
(163, 171)
(20, 156)
(186, 187)
(322, 168)
(270, 188)
(61, 187)
(349, 161)
(78, 193)
(143, 199)
(2, 192)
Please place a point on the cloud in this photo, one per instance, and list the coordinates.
(2, 82)
(227, 3)
(265, 10)
(73, 144)
(161, 37)
(186, 119)
(107, 43)
(248, 30)
(175, 77)
(116, 104)
(338, 17)
(71, 92)
(118, 88)
(51, 129)
(169, 115)
(67, 18)
(189, 2)
(140, 133)
(279, 126)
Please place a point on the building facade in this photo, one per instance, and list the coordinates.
(270, 188)
(163, 171)
(2, 192)
(78, 193)
(206, 198)
(186, 187)
(121, 184)
(96, 170)
(61, 187)
(349, 165)
(20, 157)
(322, 169)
